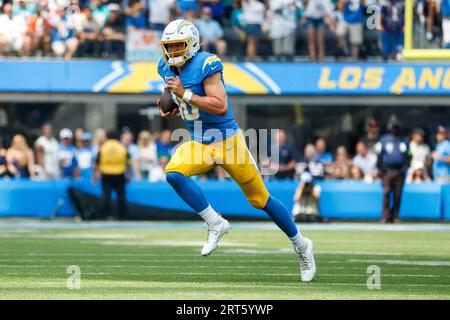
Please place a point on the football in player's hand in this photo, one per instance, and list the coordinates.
(166, 102)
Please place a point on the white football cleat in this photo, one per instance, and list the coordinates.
(215, 233)
(307, 263)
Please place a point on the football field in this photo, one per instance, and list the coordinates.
(161, 260)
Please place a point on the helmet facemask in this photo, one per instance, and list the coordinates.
(176, 58)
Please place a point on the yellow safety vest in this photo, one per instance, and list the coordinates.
(113, 158)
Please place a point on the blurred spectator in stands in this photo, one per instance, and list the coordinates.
(13, 31)
(283, 23)
(445, 11)
(164, 144)
(356, 173)
(339, 169)
(113, 167)
(114, 34)
(420, 151)
(217, 8)
(146, 158)
(46, 147)
(441, 157)
(372, 134)
(391, 30)
(321, 152)
(157, 174)
(211, 33)
(342, 156)
(352, 24)
(78, 135)
(309, 164)
(366, 161)
(417, 174)
(254, 12)
(89, 35)
(4, 170)
(127, 139)
(99, 139)
(23, 8)
(20, 158)
(237, 16)
(190, 16)
(237, 22)
(86, 157)
(64, 40)
(286, 161)
(39, 30)
(186, 5)
(68, 163)
(317, 13)
(100, 11)
(430, 11)
(340, 172)
(393, 160)
(135, 17)
(160, 13)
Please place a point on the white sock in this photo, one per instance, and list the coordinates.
(210, 216)
(297, 240)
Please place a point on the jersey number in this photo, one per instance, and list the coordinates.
(187, 111)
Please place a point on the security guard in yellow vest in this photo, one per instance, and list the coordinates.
(112, 164)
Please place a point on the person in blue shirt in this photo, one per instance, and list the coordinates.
(351, 23)
(286, 157)
(211, 33)
(393, 161)
(135, 14)
(321, 152)
(185, 5)
(195, 80)
(391, 30)
(164, 146)
(63, 35)
(86, 157)
(441, 157)
(68, 163)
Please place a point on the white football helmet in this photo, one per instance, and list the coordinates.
(183, 32)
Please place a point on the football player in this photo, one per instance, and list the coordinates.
(197, 86)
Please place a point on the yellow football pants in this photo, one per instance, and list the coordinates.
(193, 158)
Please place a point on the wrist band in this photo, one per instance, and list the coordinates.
(187, 95)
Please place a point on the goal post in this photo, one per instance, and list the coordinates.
(411, 53)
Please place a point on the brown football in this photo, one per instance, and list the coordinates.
(166, 102)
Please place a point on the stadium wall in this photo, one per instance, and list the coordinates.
(339, 199)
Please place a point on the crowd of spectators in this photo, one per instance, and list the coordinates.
(74, 155)
(98, 28)
(320, 164)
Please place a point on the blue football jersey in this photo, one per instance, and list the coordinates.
(213, 128)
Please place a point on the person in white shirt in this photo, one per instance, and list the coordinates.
(420, 151)
(283, 23)
(317, 13)
(13, 31)
(157, 174)
(159, 14)
(254, 12)
(366, 161)
(146, 158)
(47, 147)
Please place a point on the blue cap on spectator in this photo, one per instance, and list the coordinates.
(87, 136)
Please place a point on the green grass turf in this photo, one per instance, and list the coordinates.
(250, 264)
